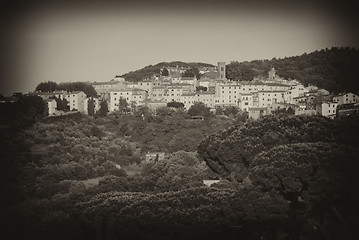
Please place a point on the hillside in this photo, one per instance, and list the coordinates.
(334, 69)
(151, 70)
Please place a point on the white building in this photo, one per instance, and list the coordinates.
(75, 100)
(103, 88)
(346, 98)
(131, 95)
(51, 106)
(327, 109)
(266, 98)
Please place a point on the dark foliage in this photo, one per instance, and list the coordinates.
(87, 88)
(151, 70)
(333, 69)
(175, 104)
(46, 86)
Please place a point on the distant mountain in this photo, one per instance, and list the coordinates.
(151, 70)
(335, 69)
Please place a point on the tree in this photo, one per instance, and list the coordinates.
(219, 111)
(59, 104)
(240, 71)
(33, 106)
(87, 88)
(103, 108)
(199, 109)
(122, 105)
(91, 107)
(46, 86)
(313, 180)
(201, 88)
(65, 105)
(193, 72)
(175, 104)
(231, 110)
(165, 72)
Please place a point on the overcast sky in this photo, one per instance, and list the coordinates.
(96, 40)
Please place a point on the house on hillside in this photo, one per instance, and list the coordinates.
(346, 98)
(327, 109)
(154, 156)
(51, 106)
(103, 88)
(208, 183)
(256, 113)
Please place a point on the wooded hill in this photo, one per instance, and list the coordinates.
(151, 70)
(334, 69)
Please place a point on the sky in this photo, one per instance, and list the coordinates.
(66, 41)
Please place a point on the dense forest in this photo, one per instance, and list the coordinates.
(334, 69)
(81, 177)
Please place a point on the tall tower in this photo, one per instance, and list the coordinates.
(271, 74)
(222, 70)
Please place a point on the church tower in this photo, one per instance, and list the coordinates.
(222, 70)
(271, 74)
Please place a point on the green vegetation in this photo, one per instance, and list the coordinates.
(67, 86)
(311, 162)
(334, 69)
(152, 70)
(24, 112)
(82, 177)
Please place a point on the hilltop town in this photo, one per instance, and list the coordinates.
(258, 97)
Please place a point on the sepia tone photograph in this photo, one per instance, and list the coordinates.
(179, 120)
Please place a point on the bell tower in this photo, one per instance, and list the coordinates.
(222, 70)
